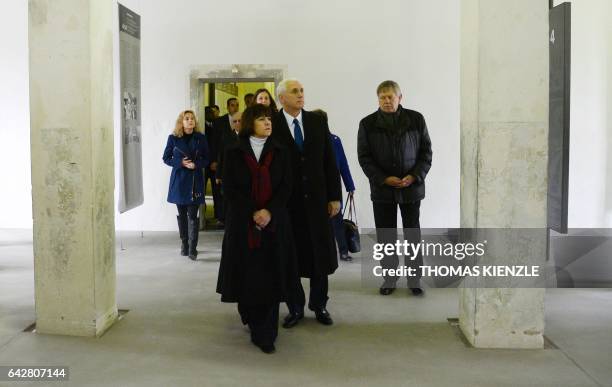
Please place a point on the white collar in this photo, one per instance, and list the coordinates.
(290, 119)
(257, 144)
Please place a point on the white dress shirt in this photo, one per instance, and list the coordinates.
(291, 125)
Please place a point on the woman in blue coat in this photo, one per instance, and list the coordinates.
(187, 153)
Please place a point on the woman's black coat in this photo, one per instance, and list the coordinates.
(260, 276)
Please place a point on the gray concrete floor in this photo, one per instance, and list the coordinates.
(177, 333)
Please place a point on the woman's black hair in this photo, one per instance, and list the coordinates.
(249, 116)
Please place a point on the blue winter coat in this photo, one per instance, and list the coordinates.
(342, 163)
(186, 185)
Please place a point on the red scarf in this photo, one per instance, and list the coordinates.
(261, 190)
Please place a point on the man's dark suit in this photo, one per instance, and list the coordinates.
(227, 139)
(317, 182)
(220, 126)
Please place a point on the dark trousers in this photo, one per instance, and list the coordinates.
(262, 321)
(216, 193)
(317, 298)
(338, 227)
(385, 218)
(189, 211)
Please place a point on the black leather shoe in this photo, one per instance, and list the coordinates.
(346, 258)
(292, 319)
(386, 291)
(268, 348)
(417, 291)
(323, 316)
(265, 348)
(184, 248)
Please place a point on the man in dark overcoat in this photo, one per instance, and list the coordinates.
(394, 151)
(221, 126)
(315, 198)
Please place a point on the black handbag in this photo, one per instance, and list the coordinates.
(351, 230)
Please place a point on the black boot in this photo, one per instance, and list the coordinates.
(194, 228)
(182, 225)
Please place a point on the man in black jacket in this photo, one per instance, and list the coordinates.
(315, 198)
(227, 139)
(221, 127)
(394, 151)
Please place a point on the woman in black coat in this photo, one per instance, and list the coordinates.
(258, 259)
(187, 153)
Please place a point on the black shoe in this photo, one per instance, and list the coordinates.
(268, 348)
(386, 291)
(323, 316)
(417, 291)
(292, 319)
(265, 348)
(184, 248)
(346, 257)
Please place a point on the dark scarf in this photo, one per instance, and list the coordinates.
(261, 190)
(390, 121)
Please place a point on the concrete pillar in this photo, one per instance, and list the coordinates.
(71, 124)
(504, 127)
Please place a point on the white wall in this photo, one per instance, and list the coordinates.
(590, 169)
(340, 50)
(16, 187)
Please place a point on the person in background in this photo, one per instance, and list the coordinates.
(248, 99)
(264, 97)
(349, 185)
(228, 139)
(216, 111)
(222, 126)
(187, 153)
(209, 118)
(394, 151)
(258, 260)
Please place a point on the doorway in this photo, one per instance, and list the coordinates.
(217, 93)
(215, 85)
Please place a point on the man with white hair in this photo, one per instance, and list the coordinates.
(316, 198)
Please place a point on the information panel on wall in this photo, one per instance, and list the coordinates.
(559, 116)
(130, 180)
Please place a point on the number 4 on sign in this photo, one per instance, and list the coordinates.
(552, 36)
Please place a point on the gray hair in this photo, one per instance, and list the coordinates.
(282, 86)
(389, 85)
